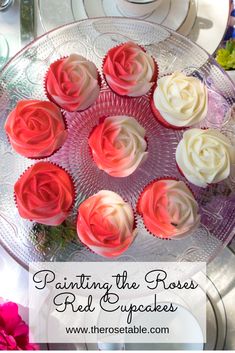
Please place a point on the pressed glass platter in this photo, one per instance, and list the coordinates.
(23, 78)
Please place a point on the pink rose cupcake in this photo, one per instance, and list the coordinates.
(169, 209)
(35, 128)
(105, 224)
(73, 83)
(129, 70)
(45, 194)
(179, 101)
(118, 145)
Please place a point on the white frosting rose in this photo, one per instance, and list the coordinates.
(118, 145)
(181, 100)
(106, 223)
(169, 208)
(205, 156)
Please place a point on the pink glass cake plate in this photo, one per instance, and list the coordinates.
(23, 78)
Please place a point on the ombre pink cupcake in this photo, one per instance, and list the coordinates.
(118, 145)
(73, 83)
(105, 224)
(169, 209)
(129, 70)
(36, 129)
(45, 194)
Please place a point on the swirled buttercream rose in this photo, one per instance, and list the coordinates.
(72, 83)
(106, 224)
(35, 128)
(129, 70)
(118, 145)
(180, 100)
(205, 156)
(45, 194)
(168, 208)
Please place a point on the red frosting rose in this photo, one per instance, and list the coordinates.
(45, 194)
(36, 128)
(14, 333)
(72, 83)
(106, 223)
(129, 70)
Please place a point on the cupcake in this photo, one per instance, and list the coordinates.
(118, 145)
(129, 70)
(73, 83)
(45, 194)
(168, 208)
(35, 128)
(105, 224)
(179, 101)
(205, 156)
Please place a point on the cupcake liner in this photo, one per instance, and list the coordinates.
(174, 237)
(154, 77)
(50, 98)
(74, 192)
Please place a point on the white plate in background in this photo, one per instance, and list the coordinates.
(203, 21)
(211, 23)
(170, 13)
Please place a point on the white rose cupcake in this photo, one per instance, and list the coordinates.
(106, 224)
(168, 208)
(118, 145)
(179, 101)
(72, 83)
(205, 156)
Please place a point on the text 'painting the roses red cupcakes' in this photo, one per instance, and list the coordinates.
(45, 194)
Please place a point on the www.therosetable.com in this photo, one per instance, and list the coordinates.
(117, 330)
